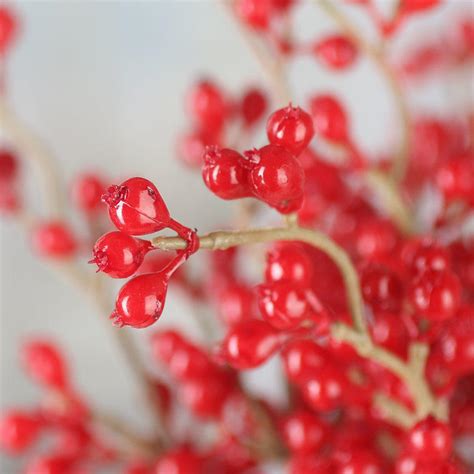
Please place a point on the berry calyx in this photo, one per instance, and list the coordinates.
(120, 255)
(276, 177)
(54, 239)
(18, 430)
(329, 118)
(291, 128)
(87, 191)
(224, 174)
(336, 52)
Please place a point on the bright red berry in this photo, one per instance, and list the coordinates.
(224, 174)
(303, 432)
(8, 164)
(18, 431)
(253, 105)
(255, 13)
(436, 295)
(165, 343)
(189, 362)
(207, 105)
(120, 255)
(430, 257)
(180, 461)
(389, 330)
(236, 303)
(45, 364)
(429, 440)
(455, 178)
(8, 27)
(54, 239)
(136, 207)
(283, 304)
(289, 262)
(276, 177)
(336, 52)
(249, 344)
(87, 191)
(362, 462)
(329, 118)
(302, 358)
(291, 128)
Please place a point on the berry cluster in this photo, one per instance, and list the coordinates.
(364, 303)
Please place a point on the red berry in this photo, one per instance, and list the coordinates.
(303, 432)
(329, 118)
(165, 343)
(55, 464)
(252, 106)
(291, 128)
(119, 254)
(8, 27)
(141, 300)
(54, 239)
(336, 52)
(276, 177)
(303, 358)
(224, 174)
(137, 467)
(436, 295)
(207, 106)
(325, 389)
(249, 344)
(310, 464)
(283, 304)
(189, 362)
(430, 440)
(415, 6)
(8, 164)
(430, 257)
(255, 13)
(455, 178)
(362, 462)
(180, 461)
(18, 431)
(375, 238)
(87, 191)
(389, 330)
(45, 364)
(136, 207)
(289, 262)
(191, 146)
(236, 303)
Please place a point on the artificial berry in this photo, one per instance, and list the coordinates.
(191, 146)
(302, 358)
(324, 390)
(207, 106)
(429, 440)
(336, 52)
(283, 305)
(45, 364)
(249, 344)
(119, 254)
(235, 303)
(165, 343)
(303, 432)
(375, 238)
(87, 191)
(8, 27)
(329, 118)
(189, 362)
(435, 295)
(289, 262)
(255, 13)
(291, 128)
(252, 106)
(18, 430)
(180, 461)
(54, 239)
(430, 257)
(389, 330)
(136, 207)
(8, 164)
(224, 174)
(276, 177)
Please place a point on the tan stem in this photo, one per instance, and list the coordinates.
(400, 162)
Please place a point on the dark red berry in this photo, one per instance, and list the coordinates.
(8, 164)
(18, 430)
(224, 174)
(119, 254)
(336, 52)
(329, 118)
(253, 106)
(290, 127)
(54, 239)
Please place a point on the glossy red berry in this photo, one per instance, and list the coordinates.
(54, 239)
(429, 440)
(189, 362)
(336, 52)
(253, 106)
(303, 432)
(236, 303)
(45, 364)
(329, 118)
(8, 27)
(436, 295)
(180, 461)
(289, 262)
(136, 207)
(283, 304)
(255, 13)
(18, 430)
(249, 344)
(191, 146)
(224, 174)
(87, 191)
(362, 462)
(389, 330)
(291, 128)
(276, 177)
(455, 178)
(428, 256)
(207, 105)
(302, 358)
(8, 165)
(120, 255)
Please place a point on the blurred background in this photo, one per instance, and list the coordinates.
(103, 83)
